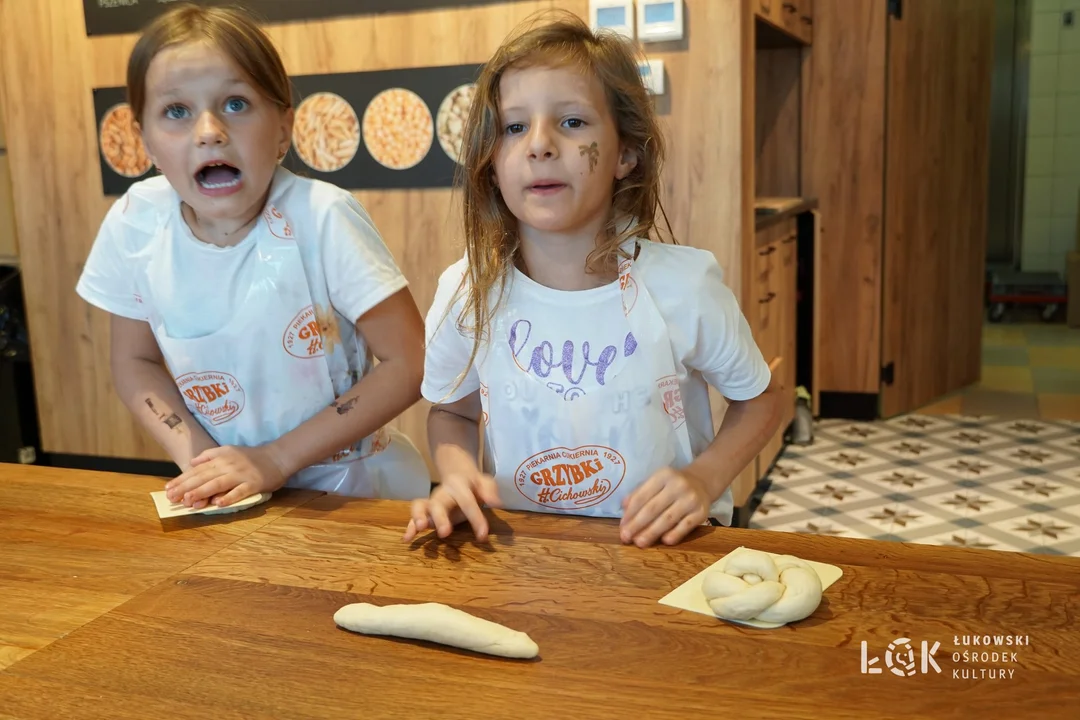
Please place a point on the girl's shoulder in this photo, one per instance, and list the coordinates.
(142, 207)
(315, 198)
(682, 265)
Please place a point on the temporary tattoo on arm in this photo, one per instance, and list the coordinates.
(593, 151)
(172, 420)
(345, 407)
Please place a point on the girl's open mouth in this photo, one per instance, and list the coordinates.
(218, 176)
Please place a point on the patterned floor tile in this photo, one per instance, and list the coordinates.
(970, 539)
(1036, 530)
(1042, 490)
(791, 472)
(820, 526)
(969, 467)
(905, 480)
(986, 482)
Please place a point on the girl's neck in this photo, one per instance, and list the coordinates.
(225, 232)
(557, 260)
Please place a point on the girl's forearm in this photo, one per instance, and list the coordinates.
(387, 391)
(747, 427)
(454, 442)
(148, 391)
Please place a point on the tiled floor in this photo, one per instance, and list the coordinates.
(944, 480)
(1030, 370)
(995, 466)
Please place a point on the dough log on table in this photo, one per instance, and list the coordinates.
(437, 623)
(752, 585)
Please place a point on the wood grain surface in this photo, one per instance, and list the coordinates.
(236, 618)
(75, 545)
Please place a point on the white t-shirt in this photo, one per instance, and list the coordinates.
(711, 338)
(208, 282)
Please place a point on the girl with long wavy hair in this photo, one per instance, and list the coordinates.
(579, 343)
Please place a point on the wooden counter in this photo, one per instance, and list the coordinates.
(766, 220)
(109, 612)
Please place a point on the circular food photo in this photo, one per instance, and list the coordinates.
(326, 132)
(450, 120)
(398, 129)
(121, 144)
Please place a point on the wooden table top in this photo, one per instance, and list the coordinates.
(107, 611)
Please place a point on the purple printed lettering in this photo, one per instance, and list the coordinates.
(541, 360)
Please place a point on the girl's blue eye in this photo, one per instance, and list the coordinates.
(515, 128)
(176, 112)
(575, 123)
(236, 105)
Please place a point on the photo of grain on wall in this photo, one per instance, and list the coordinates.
(121, 145)
(398, 129)
(450, 120)
(326, 132)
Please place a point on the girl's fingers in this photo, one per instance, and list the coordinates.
(237, 494)
(648, 512)
(466, 503)
(664, 519)
(488, 491)
(441, 519)
(682, 529)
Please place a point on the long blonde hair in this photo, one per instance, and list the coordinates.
(491, 240)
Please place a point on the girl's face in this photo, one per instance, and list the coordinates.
(211, 133)
(559, 154)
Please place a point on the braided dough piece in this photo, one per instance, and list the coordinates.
(437, 623)
(751, 585)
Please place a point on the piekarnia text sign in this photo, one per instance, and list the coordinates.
(117, 17)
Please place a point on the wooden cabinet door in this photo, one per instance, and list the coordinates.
(937, 134)
(788, 299)
(765, 307)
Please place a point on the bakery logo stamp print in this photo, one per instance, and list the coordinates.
(571, 478)
(671, 397)
(279, 226)
(628, 287)
(302, 338)
(974, 657)
(216, 396)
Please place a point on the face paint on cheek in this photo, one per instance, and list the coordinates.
(593, 151)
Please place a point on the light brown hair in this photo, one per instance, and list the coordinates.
(490, 231)
(232, 30)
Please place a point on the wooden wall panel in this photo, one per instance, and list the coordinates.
(50, 66)
(843, 166)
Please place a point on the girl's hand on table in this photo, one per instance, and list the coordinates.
(225, 475)
(457, 498)
(668, 506)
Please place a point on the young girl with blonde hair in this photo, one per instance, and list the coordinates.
(578, 343)
(248, 304)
